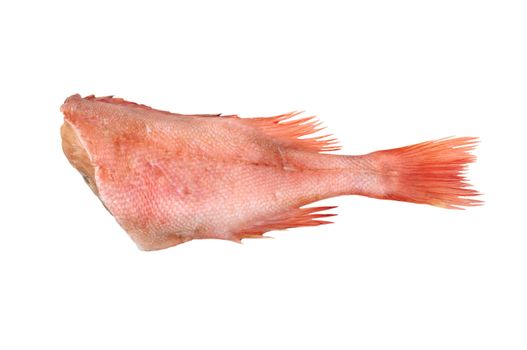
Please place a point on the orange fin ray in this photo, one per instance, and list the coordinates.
(291, 132)
(431, 172)
(293, 218)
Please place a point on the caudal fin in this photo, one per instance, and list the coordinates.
(430, 172)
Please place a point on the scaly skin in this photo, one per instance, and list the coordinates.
(169, 178)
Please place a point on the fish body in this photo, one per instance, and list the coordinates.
(169, 178)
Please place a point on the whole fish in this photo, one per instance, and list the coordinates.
(169, 178)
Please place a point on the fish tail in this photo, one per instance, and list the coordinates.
(430, 172)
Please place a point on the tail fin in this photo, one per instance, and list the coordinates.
(430, 172)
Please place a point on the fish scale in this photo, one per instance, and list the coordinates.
(170, 178)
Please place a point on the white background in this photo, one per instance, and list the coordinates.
(380, 74)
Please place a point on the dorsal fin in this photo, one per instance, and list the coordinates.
(120, 101)
(292, 218)
(291, 132)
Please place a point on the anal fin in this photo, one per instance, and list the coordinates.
(297, 217)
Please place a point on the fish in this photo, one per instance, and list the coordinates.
(170, 178)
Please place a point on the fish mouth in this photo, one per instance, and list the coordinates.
(77, 155)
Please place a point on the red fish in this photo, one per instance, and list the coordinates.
(169, 178)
